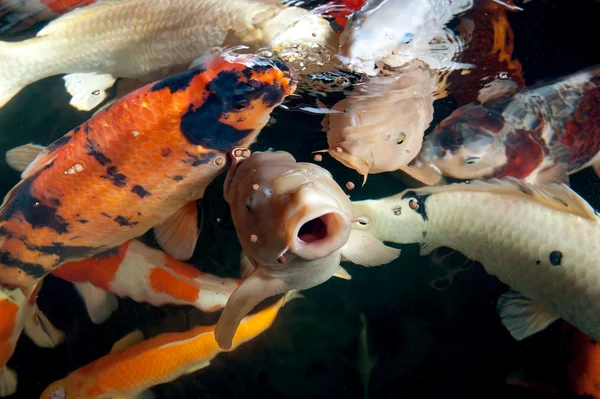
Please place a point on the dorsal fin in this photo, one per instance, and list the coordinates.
(134, 337)
(64, 21)
(557, 196)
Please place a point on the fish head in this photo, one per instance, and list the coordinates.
(284, 208)
(400, 218)
(239, 93)
(468, 144)
(381, 29)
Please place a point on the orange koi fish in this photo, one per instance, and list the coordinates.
(147, 275)
(135, 165)
(126, 373)
(578, 368)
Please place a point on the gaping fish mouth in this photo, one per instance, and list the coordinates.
(319, 235)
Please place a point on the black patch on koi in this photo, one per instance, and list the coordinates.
(140, 191)
(177, 178)
(524, 189)
(58, 143)
(116, 178)
(202, 126)
(123, 221)
(86, 128)
(34, 211)
(420, 198)
(31, 269)
(537, 262)
(64, 252)
(197, 160)
(98, 155)
(107, 254)
(76, 130)
(106, 214)
(556, 258)
(82, 221)
(180, 81)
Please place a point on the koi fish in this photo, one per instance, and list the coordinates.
(128, 371)
(342, 9)
(379, 126)
(146, 275)
(509, 227)
(147, 40)
(18, 313)
(157, 148)
(577, 369)
(540, 134)
(395, 32)
(293, 222)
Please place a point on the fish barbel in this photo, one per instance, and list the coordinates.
(541, 240)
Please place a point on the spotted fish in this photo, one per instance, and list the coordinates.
(135, 165)
(541, 134)
(541, 240)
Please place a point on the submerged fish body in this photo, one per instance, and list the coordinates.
(379, 127)
(293, 222)
(128, 372)
(135, 164)
(395, 32)
(147, 40)
(539, 134)
(541, 240)
(144, 274)
(43, 9)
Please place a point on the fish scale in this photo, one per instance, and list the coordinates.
(518, 233)
(134, 164)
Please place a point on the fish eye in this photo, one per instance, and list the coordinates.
(413, 204)
(408, 37)
(472, 160)
(241, 104)
(249, 203)
(362, 221)
(401, 138)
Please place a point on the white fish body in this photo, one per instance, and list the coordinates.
(147, 39)
(399, 31)
(543, 241)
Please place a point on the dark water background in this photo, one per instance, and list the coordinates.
(427, 343)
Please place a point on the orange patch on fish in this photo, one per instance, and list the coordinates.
(8, 320)
(100, 272)
(162, 281)
(63, 6)
(182, 268)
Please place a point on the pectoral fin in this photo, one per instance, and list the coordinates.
(342, 273)
(179, 234)
(19, 158)
(364, 249)
(88, 89)
(133, 338)
(554, 174)
(99, 303)
(521, 316)
(41, 331)
(250, 293)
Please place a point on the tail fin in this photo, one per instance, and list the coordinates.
(11, 81)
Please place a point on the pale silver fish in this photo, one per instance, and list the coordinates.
(394, 32)
(379, 126)
(148, 40)
(541, 240)
(294, 224)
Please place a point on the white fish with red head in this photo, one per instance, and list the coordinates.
(379, 127)
(541, 240)
(294, 224)
(394, 32)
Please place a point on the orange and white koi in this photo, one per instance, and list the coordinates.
(146, 275)
(125, 373)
